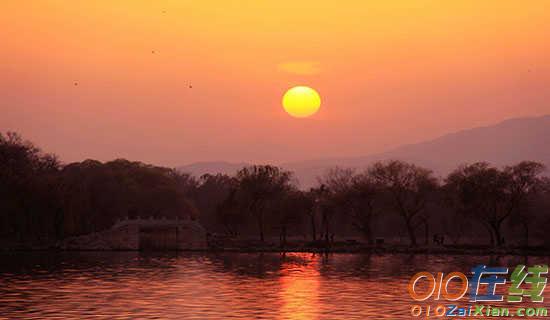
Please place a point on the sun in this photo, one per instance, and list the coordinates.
(301, 101)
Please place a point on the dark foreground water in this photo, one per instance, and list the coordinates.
(220, 286)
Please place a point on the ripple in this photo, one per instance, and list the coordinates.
(217, 286)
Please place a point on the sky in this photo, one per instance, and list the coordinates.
(175, 82)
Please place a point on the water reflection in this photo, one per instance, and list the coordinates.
(299, 282)
(218, 286)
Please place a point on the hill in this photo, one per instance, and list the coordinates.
(505, 143)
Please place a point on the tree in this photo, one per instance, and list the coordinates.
(492, 196)
(410, 188)
(355, 195)
(363, 195)
(523, 181)
(478, 191)
(212, 191)
(332, 197)
(292, 208)
(229, 214)
(96, 194)
(259, 185)
(29, 203)
(185, 182)
(312, 202)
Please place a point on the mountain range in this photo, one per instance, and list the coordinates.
(504, 143)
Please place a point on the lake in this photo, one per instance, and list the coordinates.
(127, 285)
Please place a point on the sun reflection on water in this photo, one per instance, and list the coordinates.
(300, 287)
(295, 286)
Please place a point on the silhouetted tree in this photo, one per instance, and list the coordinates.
(96, 194)
(355, 195)
(332, 194)
(478, 191)
(212, 191)
(42, 201)
(230, 214)
(292, 209)
(312, 203)
(523, 181)
(363, 195)
(259, 185)
(29, 203)
(491, 196)
(410, 188)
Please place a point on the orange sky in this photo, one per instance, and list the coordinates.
(389, 72)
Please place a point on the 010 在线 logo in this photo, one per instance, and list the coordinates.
(524, 283)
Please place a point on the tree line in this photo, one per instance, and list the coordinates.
(43, 200)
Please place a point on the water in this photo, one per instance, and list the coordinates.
(133, 285)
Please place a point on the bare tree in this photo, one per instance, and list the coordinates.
(292, 208)
(410, 188)
(259, 185)
(355, 195)
(363, 194)
(331, 196)
(313, 204)
(523, 181)
(229, 214)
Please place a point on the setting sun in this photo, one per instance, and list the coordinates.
(301, 101)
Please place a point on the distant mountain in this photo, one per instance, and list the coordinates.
(505, 143)
(200, 168)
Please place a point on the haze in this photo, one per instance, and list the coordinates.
(173, 82)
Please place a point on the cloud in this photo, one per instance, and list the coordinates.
(300, 67)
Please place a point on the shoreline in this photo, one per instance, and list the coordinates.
(353, 250)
